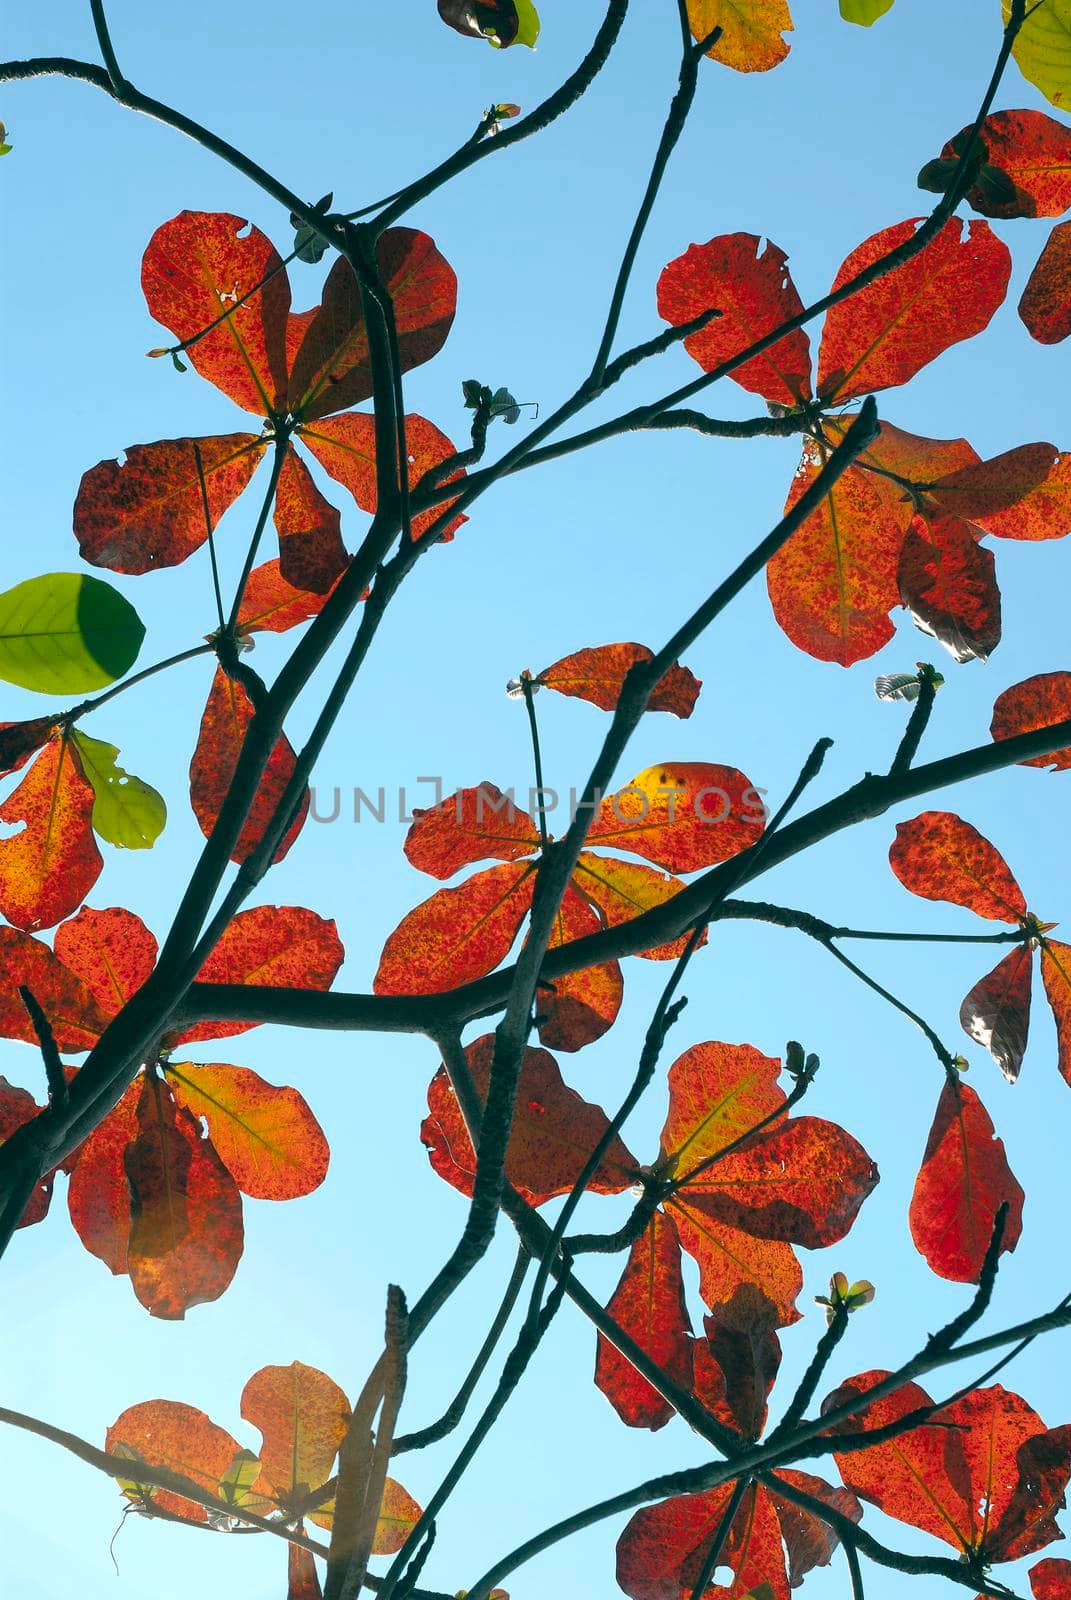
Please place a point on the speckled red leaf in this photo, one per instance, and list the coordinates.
(964, 1180)
(1029, 1522)
(19, 741)
(996, 1012)
(111, 951)
(302, 1415)
(717, 1094)
(683, 815)
(148, 511)
(729, 1259)
(77, 1021)
(910, 455)
(751, 286)
(598, 675)
(345, 447)
(1023, 494)
(17, 1107)
(810, 1542)
(1035, 703)
(311, 552)
(267, 1138)
(1034, 150)
(947, 580)
(1051, 1580)
(801, 1182)
(303, 1582)
(458, 934)
(899, 323)
(1017, 1470)
(624, 889)
(554, 1131)
(332, 369)
(49, 866)
(166, 1433)
(186, 1231)
(283, 947)
(833, 583)
(1056, 972)
(1045, 306)
(477, 824)
(578, 1008)
(98, 1196)
(398, 1516)
(649, 1304)
(198, 266)
(940, 857)
(736, 1364)
(226, 718)
(271, 605)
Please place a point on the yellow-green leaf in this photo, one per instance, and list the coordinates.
(64, 633)
(750, 31)
(126, 811)
(864, 12)
(1043, 48)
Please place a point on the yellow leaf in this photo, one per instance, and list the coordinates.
(1043, 48)
(750, 31)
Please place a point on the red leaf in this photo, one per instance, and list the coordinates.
(717, 1094)
(112, 952)
(157, 1165)
(1045, 306)
(75, 1018)
(683, 816)
(737, 1363)
(1023, 494)
(947, 581)
(280, 947)
(166, 1433)
(908, 455)
(50, 865)
(311, 552)
(1035, 703)
(940, 857)
(963, 1182)
(833, 583)
(624, 889)
(195, 268)
(332, 369)
(226, 719)
(458, 934)
(267, 1138)
(728, 1260)
(1034, 150)
(98, 1197)
(599, 674)
(996, 1013)
(648, 1304)
(578, 1008)
(809, 1541)
(19, 741)
(271, 605)
(346, 449)
(898, 324)
(17, 1107)
(754, 292)
(1056, 972)
(554, 1131)
(302, 1415)
(303, 1579)
(148, 512)
(1051, 1580)
(472, 825)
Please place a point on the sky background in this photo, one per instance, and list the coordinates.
(619, 543)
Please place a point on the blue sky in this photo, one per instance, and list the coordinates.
(616, 544)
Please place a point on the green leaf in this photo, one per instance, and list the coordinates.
(864, 12)
(64, 633)
(239, 1478)
(1043, 49)
(126, 811)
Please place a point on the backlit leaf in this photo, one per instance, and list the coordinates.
(267, 1138)
(940, 857)
(63, 995)
(729, 1259)
(751, 31)
(271, 605)
(962, 1183)
(947, 580)
(303, 1581)
(477, 824)
(625, 889)
(1034, 151)
(1056, 972)
(683, 816)
(737, 1363)
(1045, 306)
(996, 1013)
(398, 1516)
(166, 1433)
(1035, 703)
(599, 674)
(864, 12)
(648, 1304)
(302, 1415)
(98, 1196)
(127, 812)
(345, 447)
(50, 865)
(885, 333)
(1023, 494)
(717, 1093)
(20, 740)
(148, 511)
(311, 552)
(1043, 48)
(112, 952)
(458, 934)
(1051, 1580)
(578, 1008)
(64, 633)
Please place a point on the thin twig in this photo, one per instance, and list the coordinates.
(46, 1039)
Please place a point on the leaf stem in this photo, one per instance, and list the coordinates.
(528, 691)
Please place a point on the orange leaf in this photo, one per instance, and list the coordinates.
(148, 512)
(1056, 972)
(98, 1196)
(1045, 306)
(648, 1304)
(554, 1131)
(948, 583)
(332, 369)
(578, 1008)
(599, 674)
(1051, 1580)
(311, 552)
(226, 720)
(683, 816)
(271, 605)
(112, 952)
(963, 1181)
(940, 857)
(754, 292)
(166, 1433)
(996, 1013)
(717, 1093)
(1034, 151)
(1023, 494)
(67, 1002)
(908, 455)
(751, 31)
(889, 330)
(198, 266)
(302, 1416)
(472, 825)
(1035, 703)
(728, 1259)
(624, 889)
(346, 448)
(50, 865)
(267, 1138)
(398, 1516)
(303, 1579)
(458, 934)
